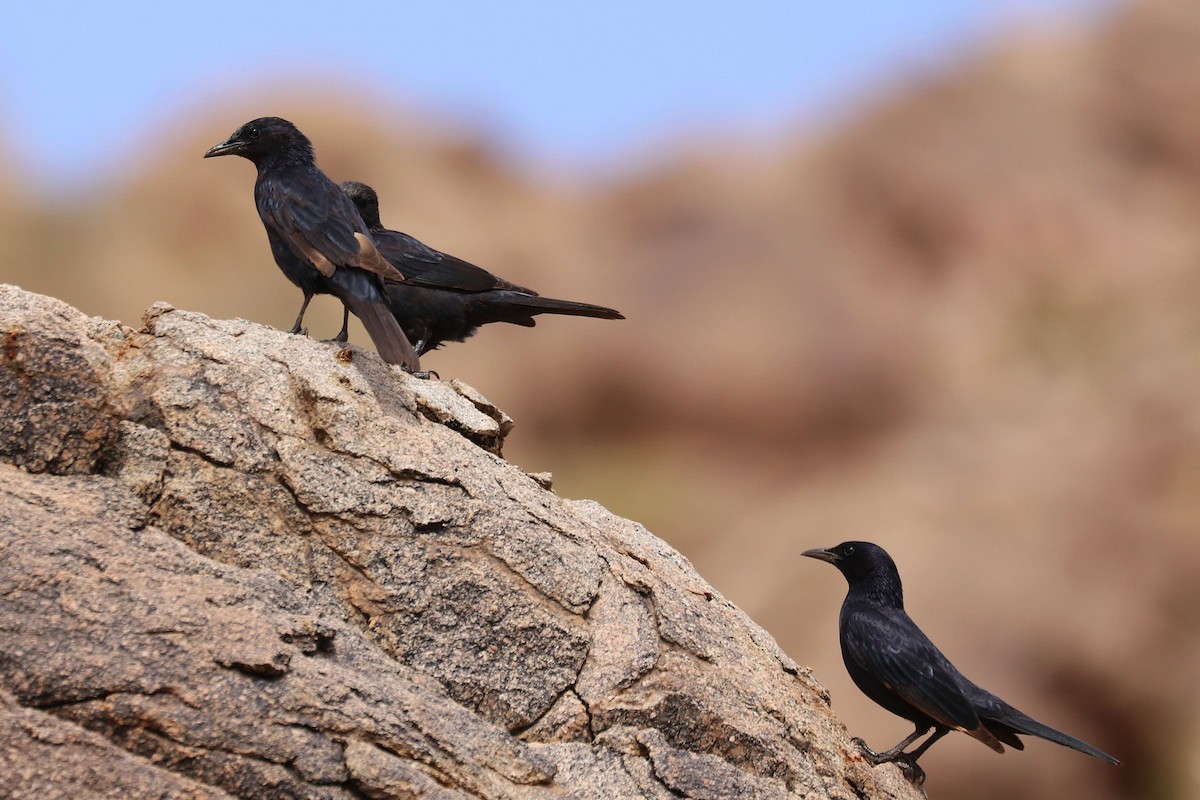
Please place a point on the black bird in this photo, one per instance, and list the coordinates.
(443, 298)
(317, 236)
(896, 665)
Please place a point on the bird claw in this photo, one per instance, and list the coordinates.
(342, 337)
(870, 755)
(911, 769)
(907, 764)
(425, 374)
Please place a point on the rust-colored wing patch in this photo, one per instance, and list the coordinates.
(369, 258)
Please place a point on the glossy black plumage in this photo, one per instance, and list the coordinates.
(317, 236)
(443, 298)
(895, 664)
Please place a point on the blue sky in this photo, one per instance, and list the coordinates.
(565, 81)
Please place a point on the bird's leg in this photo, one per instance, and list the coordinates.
(890, 755)
(907, 762)
(938, 733)
(343, 335)
(300, 317)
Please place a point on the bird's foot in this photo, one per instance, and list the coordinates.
(870, 755)
(342, 337)
(905, 761)
(423, 374)
(296, 329)
(911, 769)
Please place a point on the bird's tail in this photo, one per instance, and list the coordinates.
(1012, 719)
(385, 332)
(361, 292)
(519, 308)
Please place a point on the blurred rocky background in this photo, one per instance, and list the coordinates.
(960, 321)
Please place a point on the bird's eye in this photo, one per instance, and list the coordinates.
(251, 133)
(848, 550)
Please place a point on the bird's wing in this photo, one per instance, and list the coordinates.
(892, 649)
(424, 266)
(321, 224)
(369, 258)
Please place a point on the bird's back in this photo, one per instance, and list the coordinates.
(424, 266)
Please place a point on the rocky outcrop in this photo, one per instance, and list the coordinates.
(240, 563)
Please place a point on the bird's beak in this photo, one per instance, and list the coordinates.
(821, 554)
(226, 148)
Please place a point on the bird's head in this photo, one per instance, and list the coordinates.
(366, 200)
(264, 137)
(858, 561)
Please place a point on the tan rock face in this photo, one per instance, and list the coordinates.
(235, 562)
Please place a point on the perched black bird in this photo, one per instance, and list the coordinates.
(443, 298)
(317, 236)
(896, 665)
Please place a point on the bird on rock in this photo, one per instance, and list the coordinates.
(316, 234)
(443, 298)
(897, 666)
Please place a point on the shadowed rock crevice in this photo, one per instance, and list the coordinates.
(237, 562)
